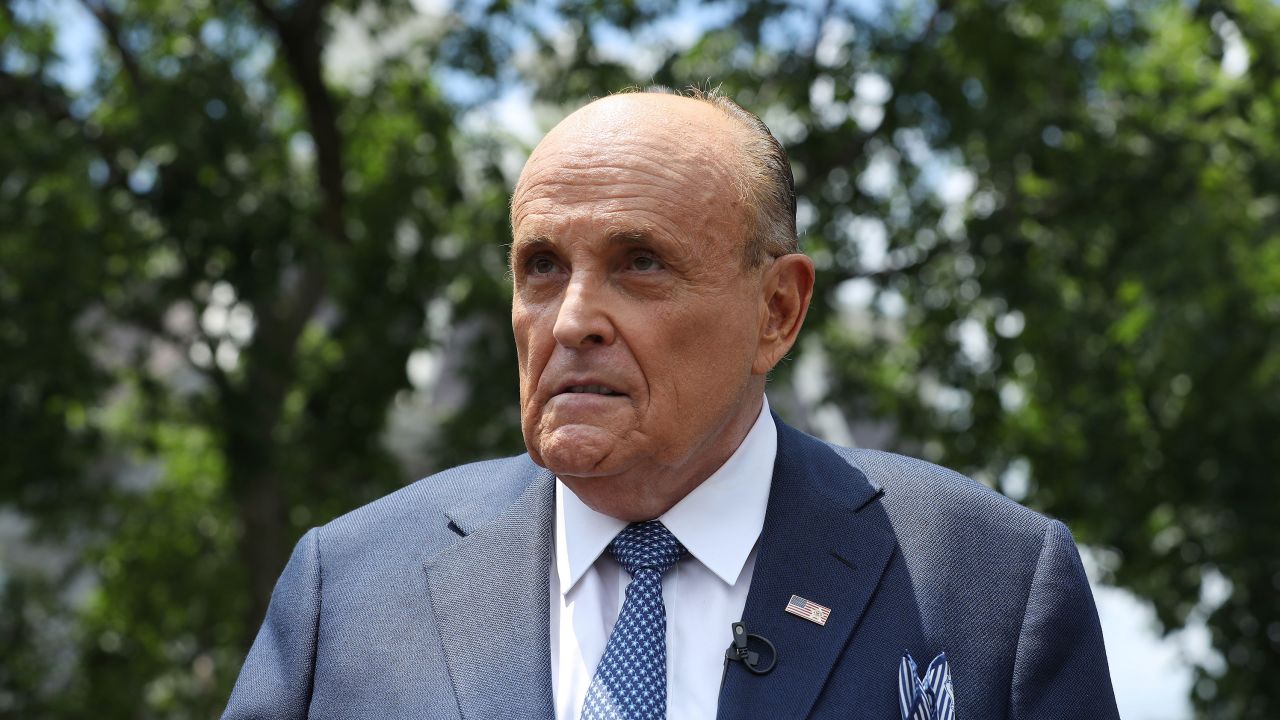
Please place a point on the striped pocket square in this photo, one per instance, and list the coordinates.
(927, 698)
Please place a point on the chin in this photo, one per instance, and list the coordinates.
(578, 450)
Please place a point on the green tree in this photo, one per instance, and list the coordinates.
(214, 263)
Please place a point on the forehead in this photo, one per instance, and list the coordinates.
(606, 185)
(677, 174)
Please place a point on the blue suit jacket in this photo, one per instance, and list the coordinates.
(433, 602)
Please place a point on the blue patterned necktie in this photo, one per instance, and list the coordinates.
(631, 680)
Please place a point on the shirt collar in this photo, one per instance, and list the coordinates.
(718, 522)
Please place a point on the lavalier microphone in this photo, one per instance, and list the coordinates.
(755, 652)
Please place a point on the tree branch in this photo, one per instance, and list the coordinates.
(110, 23)
(299, 36)
(269, 13)
(148, 322)
(254, 411)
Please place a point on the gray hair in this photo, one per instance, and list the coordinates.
(767, 184)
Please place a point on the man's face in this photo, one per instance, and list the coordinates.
(636, 321)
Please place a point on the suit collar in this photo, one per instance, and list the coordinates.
(489, 594)
(825, 539)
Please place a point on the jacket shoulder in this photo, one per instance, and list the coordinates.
(429, 514)
(925, 494)
(952, 531)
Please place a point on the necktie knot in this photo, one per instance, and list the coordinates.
(646, 545)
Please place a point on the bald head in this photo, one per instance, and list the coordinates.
(747, 170)
(629, 115)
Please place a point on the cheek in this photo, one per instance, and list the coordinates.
(530, 356)
(702, 359)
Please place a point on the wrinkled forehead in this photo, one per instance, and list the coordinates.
(607, 179)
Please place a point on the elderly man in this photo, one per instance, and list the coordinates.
(667, 547)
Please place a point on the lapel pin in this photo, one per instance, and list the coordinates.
(808, 609)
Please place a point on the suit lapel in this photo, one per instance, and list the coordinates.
(490, 594)
(826, 540)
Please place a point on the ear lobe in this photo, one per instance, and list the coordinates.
(788, 288)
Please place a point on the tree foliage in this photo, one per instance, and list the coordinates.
(216, 263)
(1048, 256)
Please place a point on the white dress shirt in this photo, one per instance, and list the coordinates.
(718, 523)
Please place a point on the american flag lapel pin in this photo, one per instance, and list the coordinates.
(808, 609)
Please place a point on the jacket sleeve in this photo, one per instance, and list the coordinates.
(275, 681)
(1060, 667)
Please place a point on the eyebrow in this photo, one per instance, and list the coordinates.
(532, 241)
(629, 236)
(625, 236)
(526, 245)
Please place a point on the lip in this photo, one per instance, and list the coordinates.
(565, 387)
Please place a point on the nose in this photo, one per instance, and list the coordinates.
(582, 320)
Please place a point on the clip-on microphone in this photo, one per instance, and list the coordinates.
(739, 652)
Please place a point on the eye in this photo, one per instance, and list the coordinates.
(645, 263)
(541, 265)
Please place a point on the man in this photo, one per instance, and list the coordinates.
(656, 282)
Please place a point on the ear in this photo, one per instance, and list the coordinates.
(787, 290)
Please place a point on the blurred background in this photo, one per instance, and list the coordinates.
(252, 275)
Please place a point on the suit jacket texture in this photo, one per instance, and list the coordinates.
(433, 602)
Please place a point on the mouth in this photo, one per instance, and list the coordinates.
(591, 389)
